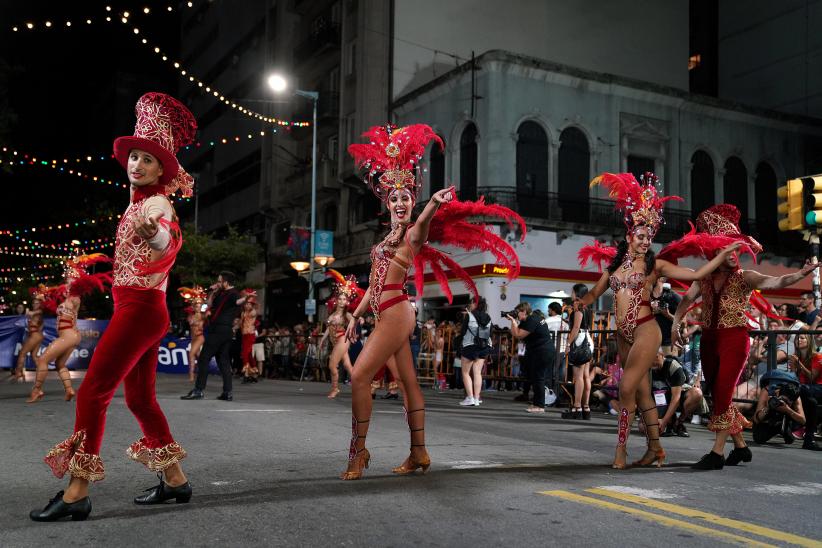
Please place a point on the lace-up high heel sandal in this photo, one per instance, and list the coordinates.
(358, 459)
(65, 376)
(651, 455)
(412, 463)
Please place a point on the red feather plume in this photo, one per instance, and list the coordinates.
(450, 226)
(702, 244)
(597, 253)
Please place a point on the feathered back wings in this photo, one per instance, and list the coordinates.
(451, 226)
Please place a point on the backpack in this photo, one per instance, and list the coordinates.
(482, 336)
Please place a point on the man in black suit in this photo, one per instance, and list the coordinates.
(223, 307)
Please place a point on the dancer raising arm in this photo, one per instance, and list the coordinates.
(394, 154)
(148, 239)
(631, 274)
(78, 284)
(347, 297)
(724, 345)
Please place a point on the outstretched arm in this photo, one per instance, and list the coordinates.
(598, 289)
(418, 233)
(670, 270)
(762, 281)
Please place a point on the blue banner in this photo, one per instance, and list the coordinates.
(173, 356)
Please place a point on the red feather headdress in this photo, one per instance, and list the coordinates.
(596, 253)
(450, 226)
(640, 201)
(391, 157)
(345, 286)
(195, 294)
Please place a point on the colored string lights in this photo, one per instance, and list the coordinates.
(26, 160)
(32, 244)
(61, 226)
(29, 268)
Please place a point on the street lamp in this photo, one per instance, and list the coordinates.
(279, 84)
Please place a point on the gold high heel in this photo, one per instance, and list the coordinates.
(656, 455)
(357, 465)
(35, 396)
(411, 465)
(621, 465)
(335, 389)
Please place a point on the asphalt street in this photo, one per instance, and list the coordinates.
(265, 472)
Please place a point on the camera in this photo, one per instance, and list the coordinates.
(775, 402)
(512, 313)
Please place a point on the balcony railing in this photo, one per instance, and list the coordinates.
(594, 215)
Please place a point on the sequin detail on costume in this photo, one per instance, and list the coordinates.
(68, 456)
(634, 283)
(130, 251)
(622, 433)
(733, 297)
(382, 255)
(66, 317)
(157, 459)
(731, 420)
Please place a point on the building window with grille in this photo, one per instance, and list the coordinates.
(532, 160)
(469, 157)
(574, 173)
(735, 189)
(702, 182)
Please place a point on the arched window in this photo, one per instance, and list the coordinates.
(574, 172)
(735, 189)
(765, 186)
(532, 160)
(436, 169)
(329, 220)
(702, 182)
(468, 163)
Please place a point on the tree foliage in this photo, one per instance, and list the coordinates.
(203, 256)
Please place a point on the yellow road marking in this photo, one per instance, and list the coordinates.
(663, 520)
(712, 518)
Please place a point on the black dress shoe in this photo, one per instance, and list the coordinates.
(58, 509)
(226, 396)
(390, 396)
(739, 454)
(161, 493)
(193, 395)
(682, 432)
(711, 461)
(586, 415)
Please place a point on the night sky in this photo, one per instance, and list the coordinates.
(66, 93)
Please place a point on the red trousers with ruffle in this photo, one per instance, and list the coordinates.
(246, 353)
(127, 353)
(724, 353)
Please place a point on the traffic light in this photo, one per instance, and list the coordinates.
(790, 206)
(812, 200)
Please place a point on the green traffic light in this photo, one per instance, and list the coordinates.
(810, 218)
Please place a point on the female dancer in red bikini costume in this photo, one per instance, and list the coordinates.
(631, 275)
(148, 239)
(195, 315)
(34, 332)
(78, 283)
(347, 297)
(725, 344)
(391, 159)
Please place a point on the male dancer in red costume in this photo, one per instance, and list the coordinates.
(148, 240)
(725, 344)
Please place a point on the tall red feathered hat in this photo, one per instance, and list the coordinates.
(723, 219)
(716, 227)
(391, 157)
(164, 125)
(640, 201)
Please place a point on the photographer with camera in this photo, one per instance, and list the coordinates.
(777, 407)
(663, 304)
(807, 364)
(532, 328)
